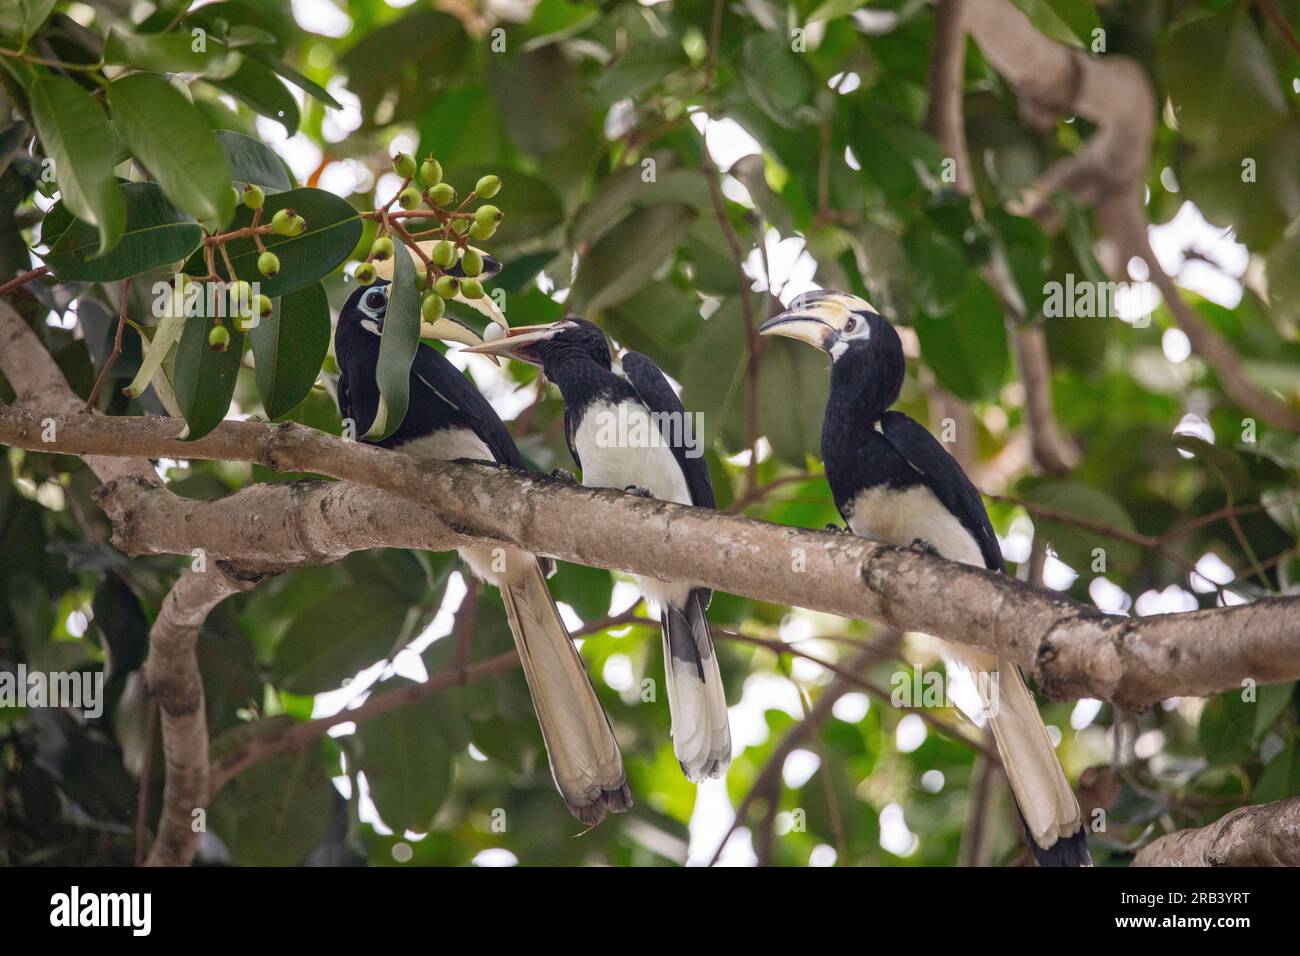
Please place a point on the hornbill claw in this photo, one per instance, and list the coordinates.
(639, 491)
(561, 474)
(920, 544)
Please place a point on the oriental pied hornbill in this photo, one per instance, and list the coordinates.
(629, 431)
(448, 419)
(894, 482)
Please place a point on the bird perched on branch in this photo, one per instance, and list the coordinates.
(449, 419)
(630, 431)
(894, 482)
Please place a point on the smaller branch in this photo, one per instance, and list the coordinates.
(117, 348)
(23, 279)
(1280, 23)
(171, 674)
(1264, 835)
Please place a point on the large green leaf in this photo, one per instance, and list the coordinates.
(967, 348)
(627, 256)
(397, 347)
(713, 376)
(347, 631)
(76, 135)
(170, 137)
(1235, 103)
(170, 53)
(303, 82)
(275, 812)
(792, 385)
(404, 61)
(204, 379)
(289, 347)
(261, 89)
(1225, 729)
(407, 763)
(333, 229)
(20, 18)
(252, 161)
(1077, 546)
(777, 79)
(156, 234)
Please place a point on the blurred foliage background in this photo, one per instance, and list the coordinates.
(597, 116)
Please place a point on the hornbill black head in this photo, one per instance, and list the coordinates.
(865, 350)
(546, 345)
(366, 307)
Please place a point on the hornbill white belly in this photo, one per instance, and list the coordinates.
(617, 441)
(894, 482)
(448, 419)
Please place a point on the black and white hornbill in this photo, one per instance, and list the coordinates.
(626, 431)
(447, 419)
(894, 482)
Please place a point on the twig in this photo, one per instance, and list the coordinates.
(23, 279)
(117, 347)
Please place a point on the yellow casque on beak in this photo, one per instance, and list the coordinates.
(816, 317)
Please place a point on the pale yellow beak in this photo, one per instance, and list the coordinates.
(816, 317)
(514, 344)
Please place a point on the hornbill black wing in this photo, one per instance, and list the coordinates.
(658, 396)
(432, 371)
(344, 396)
(946, 479)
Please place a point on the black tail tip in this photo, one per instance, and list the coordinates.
(614, 801)
(1067, 851)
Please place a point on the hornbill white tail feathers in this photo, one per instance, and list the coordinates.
(894, 482)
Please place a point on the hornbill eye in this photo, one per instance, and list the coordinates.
(852, 324)
(374, 300)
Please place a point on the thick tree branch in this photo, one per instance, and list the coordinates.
(1052, 79)
(1266, 835)
(171, 673)
(1075, 651)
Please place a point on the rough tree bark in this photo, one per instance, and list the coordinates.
(1266, 835)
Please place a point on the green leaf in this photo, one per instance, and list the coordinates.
(627, 256)
(406, 761)
(713, 376)
(204, 379)
(289, 347)
(967, 348)
(332, 232)
(792, 399)
(1225, 729)
(303, 82)
(170, 137)
(261, 89)
(170, 53)
(1075, 545)
(1235, 103)
(24, 17)
(156, 234)
(1066, 21)
(397, 347)
(345, 632)
(1225, 463)
(1270, 701)
(405, 60)
(777, 80)
(252, 161)
(938, 266)
(76, 136)
(586, 590)
(276, 812)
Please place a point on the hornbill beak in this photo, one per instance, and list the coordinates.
(816, 317)
(517, 342)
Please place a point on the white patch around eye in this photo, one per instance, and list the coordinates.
(838, 349)
(861, 330)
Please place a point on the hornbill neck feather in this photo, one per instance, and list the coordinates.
(865, 381)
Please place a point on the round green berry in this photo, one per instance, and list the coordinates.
(365, 273)
(404, 165)
(287, 222)
(431, 308)
(262, 306)
(268, 263)
(253, 196)
(381, 249)
(410, 198)
(442, 194)
(431, 172)
(446, 287)
(481, 231)
(471, 288)
(444, 253)
(239, 291)
(488, 186)
(421, 279)
(219, 338)
(471, 263)
(460, 226)
(487, 213)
